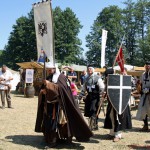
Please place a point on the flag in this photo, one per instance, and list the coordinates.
(44, 29)
(103, 46)
(120, 59)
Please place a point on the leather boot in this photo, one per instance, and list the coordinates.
(9, 104)
(3, 105)
(145, 128)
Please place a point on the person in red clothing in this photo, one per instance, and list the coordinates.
(74, 90)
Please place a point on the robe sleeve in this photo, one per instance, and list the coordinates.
(51, 92)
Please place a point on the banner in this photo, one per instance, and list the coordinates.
(44, 29)
(29, 75)
(103, 46)
(120, 59)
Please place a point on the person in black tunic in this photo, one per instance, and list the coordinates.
(94, 86)
(113, 121)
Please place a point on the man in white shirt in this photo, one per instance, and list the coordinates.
(5, 86)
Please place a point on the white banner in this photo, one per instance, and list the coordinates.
(29, 75)
(44, 29)
(103, 46)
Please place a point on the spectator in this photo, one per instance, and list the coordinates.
(5, 86)
(82, 77)
(72, 75)
(74, 90)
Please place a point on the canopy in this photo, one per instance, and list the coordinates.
(128, 67)
(139, 68)
(132, 72)
(29, 65)
(74, 67)
(99, 70)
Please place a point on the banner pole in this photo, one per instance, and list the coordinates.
(52, 31)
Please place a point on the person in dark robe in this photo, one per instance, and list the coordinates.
(113, 121)
(58, 115)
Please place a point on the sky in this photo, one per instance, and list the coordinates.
(86, 11)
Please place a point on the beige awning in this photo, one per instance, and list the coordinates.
(99, 70)
(29, 65)
(132, 73)
(139, 68)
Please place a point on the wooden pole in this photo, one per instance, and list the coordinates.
(44, 69)
(53, 32)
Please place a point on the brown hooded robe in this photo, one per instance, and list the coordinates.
(76, 125)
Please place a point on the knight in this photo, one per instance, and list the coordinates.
(94, 87)
(144, 106)
(117, 119)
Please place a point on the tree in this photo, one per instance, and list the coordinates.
(110, 19)
(142, 14)
(144, 45)
(136, 21)
(66, 30)
(132, 21)
(21, 45)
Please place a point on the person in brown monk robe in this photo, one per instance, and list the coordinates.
(58, 115)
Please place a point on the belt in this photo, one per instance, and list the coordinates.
(53, 101)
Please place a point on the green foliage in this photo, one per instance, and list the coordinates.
(66, 30)
(133, 22)
(1, 51)
(21, 45)
(144, 49)
(136, 21)
(110, 20)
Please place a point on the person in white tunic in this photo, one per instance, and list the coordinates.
(5, 86)
(144, 105)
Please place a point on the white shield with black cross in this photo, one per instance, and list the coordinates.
(119, 91)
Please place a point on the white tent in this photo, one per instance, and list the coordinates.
(16, 79)
(128, 67)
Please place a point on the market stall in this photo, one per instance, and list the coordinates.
(37, 77)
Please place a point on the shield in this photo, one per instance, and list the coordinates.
(119, 91)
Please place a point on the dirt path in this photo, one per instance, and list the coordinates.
(17, 130)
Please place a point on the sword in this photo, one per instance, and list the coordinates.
(100, 105)
(92, 119)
